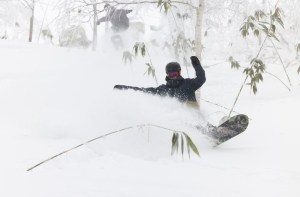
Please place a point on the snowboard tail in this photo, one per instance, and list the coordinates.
(227, 130)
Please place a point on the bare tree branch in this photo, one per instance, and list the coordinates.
(97, 138)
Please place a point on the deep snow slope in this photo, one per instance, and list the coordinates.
(52, 99)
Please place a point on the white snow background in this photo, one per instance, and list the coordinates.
(52, 99)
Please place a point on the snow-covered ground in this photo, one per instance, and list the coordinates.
(52, 99)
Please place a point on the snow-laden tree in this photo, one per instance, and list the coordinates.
(13, 19)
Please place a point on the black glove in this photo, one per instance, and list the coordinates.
(195, 61)
(119, 87)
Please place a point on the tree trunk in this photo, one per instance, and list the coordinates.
(198, 37)
(198, 30)
(31, 28)
(95, 38)
(31, 22)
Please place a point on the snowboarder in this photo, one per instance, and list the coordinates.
(119, 20)
(184, 90)
(176, 86)
(117, 17)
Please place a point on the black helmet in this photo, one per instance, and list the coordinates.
(172, 66)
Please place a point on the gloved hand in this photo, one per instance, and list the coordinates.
(119, 87)
(195, 61)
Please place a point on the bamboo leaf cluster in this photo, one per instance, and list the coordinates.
(139, 47)
(255, 73)
(127, 56)
(150, 70)
(234, 64)
(183, 142)
(164, 4)
(184, 16)
(262, 22)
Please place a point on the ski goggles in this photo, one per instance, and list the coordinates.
(173, 74)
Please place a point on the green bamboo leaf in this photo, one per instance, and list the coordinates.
(277, 17)
(262, 68)
(298, 48)
(298, 71)
(255, 79)
(273, 28)
(143, 49)
(159, 3)
(153, 73)
(189, 150)
(234, 64)
(279, 20)
(174, 143)
(265, 29)
(259, 14)
(256, 32)
(251, 25)
(185, 16)
(252, 82)
(244, 33)
(166, 7)
(254, 89)
(177, 143)
(243, 26)
(260, 77)
(173, 139)
(263, 26)
(273, 36)
(264, 22)
(136, 49)
(251, 18)
(182, 145)
(259, 62)
(127, 56)
(251, 73)
(191, 144)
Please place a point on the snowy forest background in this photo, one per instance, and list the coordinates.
(57, 73)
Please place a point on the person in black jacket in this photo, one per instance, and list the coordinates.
(176, 86)
(117, 17)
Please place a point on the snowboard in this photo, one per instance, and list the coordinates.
(228, 129)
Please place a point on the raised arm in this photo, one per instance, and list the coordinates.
(103, 19)
(200, 73)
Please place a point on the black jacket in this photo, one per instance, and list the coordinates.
(118, 19)
(182, 89)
